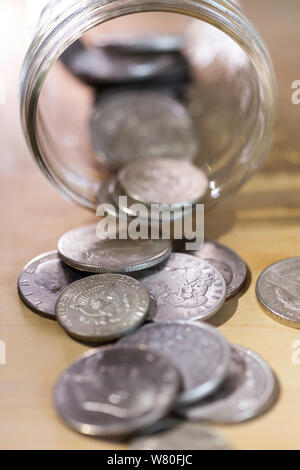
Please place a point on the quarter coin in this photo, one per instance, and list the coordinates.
(83, 250)
(103, 307)
(163, 180)
(199, 352)
(185, 288)
(247, 391)
(43, 280)
(140, 125)
(227, 262)
(277, 289)
(114, 392)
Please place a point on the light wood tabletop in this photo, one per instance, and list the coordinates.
(262, 223)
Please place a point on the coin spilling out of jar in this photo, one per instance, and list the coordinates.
(145, 124)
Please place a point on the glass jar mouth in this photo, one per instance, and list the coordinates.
(65, 25)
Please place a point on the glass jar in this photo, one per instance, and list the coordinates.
(231, 97)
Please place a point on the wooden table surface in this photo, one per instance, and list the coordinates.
(262, 223)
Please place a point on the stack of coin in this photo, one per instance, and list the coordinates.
(57, 285)
(181, 286)
(183, 367)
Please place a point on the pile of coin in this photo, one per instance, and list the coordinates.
(186, 368)
(148, 298)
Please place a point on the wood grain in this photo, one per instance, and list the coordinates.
(261, 223)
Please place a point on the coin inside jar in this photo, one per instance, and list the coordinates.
(163, 180)
(42, 281)
(82, 249)
(140, 125)
(147, 214)
(199, 352)
(184, 288)
(103, 307)
(114, 392)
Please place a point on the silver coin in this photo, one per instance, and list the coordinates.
(187, 436)
(140, 125)
(112, 392)
(43, 280)
(143, 44)
(247, 391)
(103, 307)
(227, 262)
(83, 250)
(97, 66)
(199, 352)
(163, 180)
(146, 213)
(277, 289)
(185, 288)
